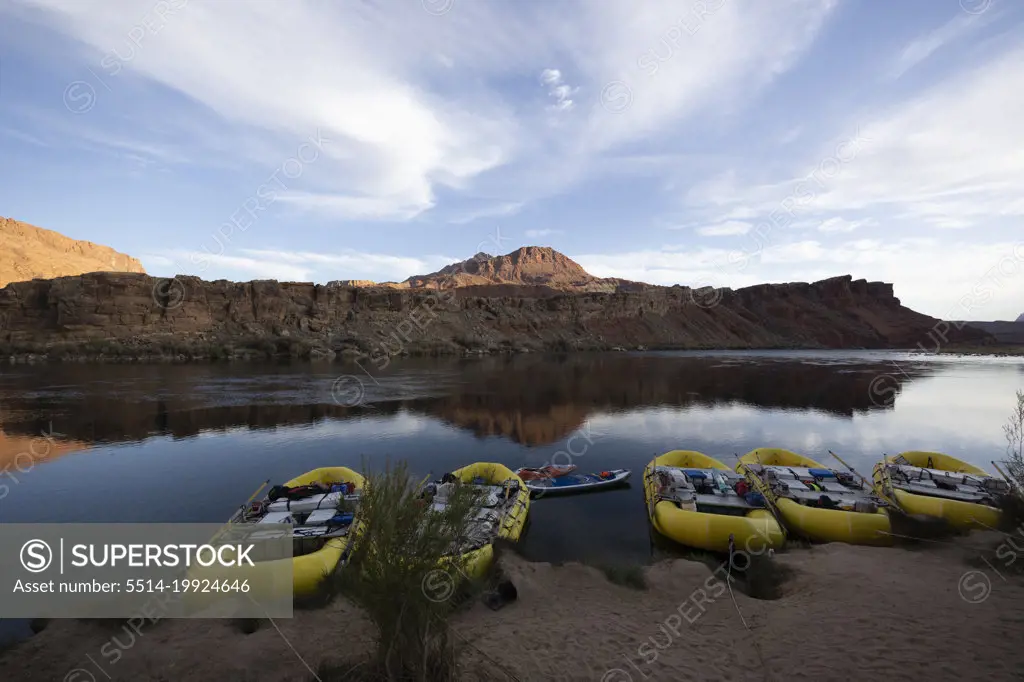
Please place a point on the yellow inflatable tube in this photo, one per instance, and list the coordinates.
(959, 514)
(477, 562)
(814, 523)
(753, 532)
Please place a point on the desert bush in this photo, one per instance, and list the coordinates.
(407, 572)
(1014, 432)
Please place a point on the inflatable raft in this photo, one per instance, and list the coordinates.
(503, 515)
(816, 502)
(693, 499)
(941, 486)
(322, 531)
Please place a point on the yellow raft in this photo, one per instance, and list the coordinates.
(815, 523)
(752, 532)
(959, 514)
(308, 570)
(476, 562)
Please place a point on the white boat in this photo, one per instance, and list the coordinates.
(573, 483)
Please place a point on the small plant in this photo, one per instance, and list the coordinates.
(407, 573)
(1014, 432)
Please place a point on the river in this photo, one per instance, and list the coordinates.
(190, 442)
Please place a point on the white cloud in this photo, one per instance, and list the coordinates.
(551, 77)
(537, 234)
(947, 157)
(405, 127)
(557, 90)
(726, 229)
(923, 47)
(504, 209)
(838, 224)
(960, 280)
(295, 266)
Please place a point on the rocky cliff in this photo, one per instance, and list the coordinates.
(28, 252)
(134, 315)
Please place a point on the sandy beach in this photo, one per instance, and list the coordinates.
(935, 612)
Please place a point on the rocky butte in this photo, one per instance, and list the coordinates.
(533, 299)
(29, 252)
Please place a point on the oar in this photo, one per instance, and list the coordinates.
(1013, 483)
(865, 481)
(763, 489)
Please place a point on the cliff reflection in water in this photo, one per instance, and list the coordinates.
(530, 400)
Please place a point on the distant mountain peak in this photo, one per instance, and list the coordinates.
(1021, 318)
(528, 265)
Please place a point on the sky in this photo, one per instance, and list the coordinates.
(712, 142)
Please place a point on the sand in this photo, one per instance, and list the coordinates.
(847, 613)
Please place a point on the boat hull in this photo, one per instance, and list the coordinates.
(957, 513)
(621, 476)
(754, 533)
(308, 571)
(814, 523)
(476, 563)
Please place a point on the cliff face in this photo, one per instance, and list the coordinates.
(138, 315)
(28, 252)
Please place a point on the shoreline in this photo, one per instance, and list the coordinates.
(571, 623)
(110, 352)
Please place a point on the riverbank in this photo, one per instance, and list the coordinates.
(932, 612)
(995, 350)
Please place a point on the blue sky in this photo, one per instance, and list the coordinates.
(719, 142)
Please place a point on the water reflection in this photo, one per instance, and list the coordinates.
(530, 400)
(189, 442)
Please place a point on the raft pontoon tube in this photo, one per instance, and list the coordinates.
(783, 475)
(938, 485)
(705, 520)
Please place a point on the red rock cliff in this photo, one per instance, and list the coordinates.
(134, 314)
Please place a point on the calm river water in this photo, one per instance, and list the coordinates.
(137, 443)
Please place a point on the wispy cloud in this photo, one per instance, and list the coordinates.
(726, 229)
(540, 234)
(957, 28)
